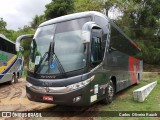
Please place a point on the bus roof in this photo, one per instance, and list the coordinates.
(4, 37)
(72, 16)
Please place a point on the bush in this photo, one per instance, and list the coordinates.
(150, 54)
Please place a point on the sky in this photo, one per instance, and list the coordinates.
(18, 13)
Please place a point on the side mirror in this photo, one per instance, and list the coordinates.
(22, 37)
(86, 36)
(86, 31)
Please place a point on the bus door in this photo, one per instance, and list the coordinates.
(96, 57)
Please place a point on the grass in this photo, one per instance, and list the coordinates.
(124, 99)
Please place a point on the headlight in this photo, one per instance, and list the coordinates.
(28, 84)
(80, 84)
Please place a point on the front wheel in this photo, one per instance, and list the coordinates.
(14, 80)
(110, 91)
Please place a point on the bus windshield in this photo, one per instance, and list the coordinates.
(58, 46)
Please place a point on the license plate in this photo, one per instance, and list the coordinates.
(48, 98)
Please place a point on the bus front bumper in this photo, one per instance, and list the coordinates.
(77, 97)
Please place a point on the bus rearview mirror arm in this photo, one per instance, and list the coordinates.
(22, 37)
(86, 31)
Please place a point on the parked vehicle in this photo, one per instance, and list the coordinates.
(79, 59)
(11, 65)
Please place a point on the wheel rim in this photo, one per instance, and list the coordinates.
(110, 91)
(12, 81)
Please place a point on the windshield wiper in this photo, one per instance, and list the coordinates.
(52, 56)
(42, 59)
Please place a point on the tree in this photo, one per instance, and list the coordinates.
(88, 5)
(140, 20)
(58, 8)
(37, 20)
(3, 24)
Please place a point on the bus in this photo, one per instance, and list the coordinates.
(11, 66)
(80, 59)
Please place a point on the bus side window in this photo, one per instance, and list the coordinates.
(1, 44)
(96, 47)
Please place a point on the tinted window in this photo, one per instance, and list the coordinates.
(121, 43)
(7, 46)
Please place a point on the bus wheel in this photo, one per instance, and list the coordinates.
(14, 80)
(110, 91)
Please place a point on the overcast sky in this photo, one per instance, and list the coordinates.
(18, 13)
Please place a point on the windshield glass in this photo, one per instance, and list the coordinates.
(58, 46)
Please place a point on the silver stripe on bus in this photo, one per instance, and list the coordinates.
(60, 89)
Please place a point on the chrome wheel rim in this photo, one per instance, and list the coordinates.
(110, 91)
(12, 81)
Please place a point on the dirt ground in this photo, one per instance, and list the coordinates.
(13, 98)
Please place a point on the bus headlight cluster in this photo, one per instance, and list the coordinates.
(80, 84)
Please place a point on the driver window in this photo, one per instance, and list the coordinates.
(96, 46)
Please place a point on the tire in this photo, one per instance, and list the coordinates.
(110, 91)
(14, 80)
(138, 79)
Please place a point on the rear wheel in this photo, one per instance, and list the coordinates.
(138, 79)
(110, 93)
(15, 79)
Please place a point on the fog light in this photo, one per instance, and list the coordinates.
(76, 99)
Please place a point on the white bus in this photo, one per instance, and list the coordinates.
(11, 64)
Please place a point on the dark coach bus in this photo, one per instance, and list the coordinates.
(79, 59)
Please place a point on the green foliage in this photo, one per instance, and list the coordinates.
(140, 21)
(58, 8)
(87, 5)
(37, 20)
(142, 17)
(3, 24)
(151, 55)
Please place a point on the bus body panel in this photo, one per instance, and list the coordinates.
(122, 65)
